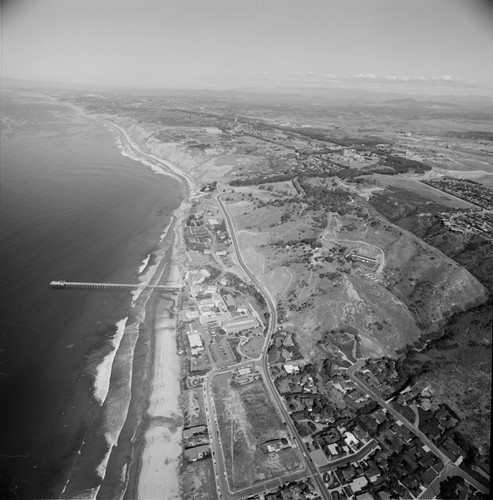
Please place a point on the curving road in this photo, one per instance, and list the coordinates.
(263, 359)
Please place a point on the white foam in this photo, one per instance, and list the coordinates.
(103, 371)
(144, 264)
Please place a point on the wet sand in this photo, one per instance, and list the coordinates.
(157, 447)
(160, 462)
(152, 465)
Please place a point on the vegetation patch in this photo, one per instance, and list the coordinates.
(247, 419)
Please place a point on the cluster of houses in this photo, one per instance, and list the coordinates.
(471, 221)
(399, 466)
(196, 443)
(203, 231)
(245, 375)
(294, 490)
(468, 190)
(380, 374)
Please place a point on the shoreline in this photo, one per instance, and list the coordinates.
(154, 451)
(157, 453)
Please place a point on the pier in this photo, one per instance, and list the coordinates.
(113, 286)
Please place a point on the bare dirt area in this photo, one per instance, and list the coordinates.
(192, 404)
(198, 481)
(247, 419)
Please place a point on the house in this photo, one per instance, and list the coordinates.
(427, 461)
(379, 416)
(452, 447)
(192, 431)
(360, 433)
(358, 484)
(197, 453)
(404, 432)
(373, 473)
(333, 449)
(290, 369)
(428, 477)
(348, 473)
(350, 440)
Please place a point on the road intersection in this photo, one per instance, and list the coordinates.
(260, 364)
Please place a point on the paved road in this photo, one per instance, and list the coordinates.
(355, 457)
(365, 388)
(275, 398)
(450, 470)
(444, 458)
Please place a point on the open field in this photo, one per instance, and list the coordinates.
(198, 481)
(192, 403)
(247, 419)
(409, 287)
(278, 281)
(253, 346)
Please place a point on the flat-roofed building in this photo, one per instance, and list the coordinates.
(195, 341)
(358, 484)
(241, 324)
(192, 431)
(197, 452)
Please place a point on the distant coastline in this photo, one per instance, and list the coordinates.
(158, 446)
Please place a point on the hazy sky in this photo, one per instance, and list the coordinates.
(227, 43)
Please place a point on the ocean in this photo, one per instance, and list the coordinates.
(73, 208)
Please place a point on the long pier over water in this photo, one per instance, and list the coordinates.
(113, 286)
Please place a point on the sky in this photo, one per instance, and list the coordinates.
(241, 43)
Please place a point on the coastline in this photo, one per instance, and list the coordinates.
(157, 446)
(145, 450)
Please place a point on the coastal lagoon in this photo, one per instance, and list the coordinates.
(74, 363)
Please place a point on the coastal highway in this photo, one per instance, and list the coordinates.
(263, 358)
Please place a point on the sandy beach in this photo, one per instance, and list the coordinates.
(157, 474)
(157, 452)
(161, 456)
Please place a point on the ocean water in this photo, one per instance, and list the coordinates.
(72, 208)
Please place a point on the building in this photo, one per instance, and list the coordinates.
(192, 431)
(197, 453)
(241, 324)
(290, 369)
(195, 342)
(358, 484)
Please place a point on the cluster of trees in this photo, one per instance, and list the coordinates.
(403, 165)
(474, 135)
(245, 288)
(304, 241)
(262, 179)
(211, 186)
(321, 197)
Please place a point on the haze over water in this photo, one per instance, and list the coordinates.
(72, 208)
